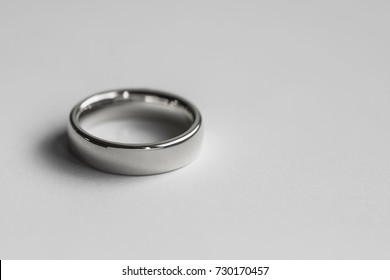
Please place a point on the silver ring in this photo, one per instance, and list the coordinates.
(137, 158)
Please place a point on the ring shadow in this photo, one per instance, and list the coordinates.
(55, 149)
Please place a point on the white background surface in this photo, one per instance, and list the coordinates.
(295, 99)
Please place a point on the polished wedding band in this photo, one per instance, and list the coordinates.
(136, 158)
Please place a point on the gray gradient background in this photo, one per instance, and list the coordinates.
(296, 158)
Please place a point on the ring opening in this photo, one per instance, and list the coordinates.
(129, 117)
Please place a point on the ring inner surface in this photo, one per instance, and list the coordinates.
(134, 118)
